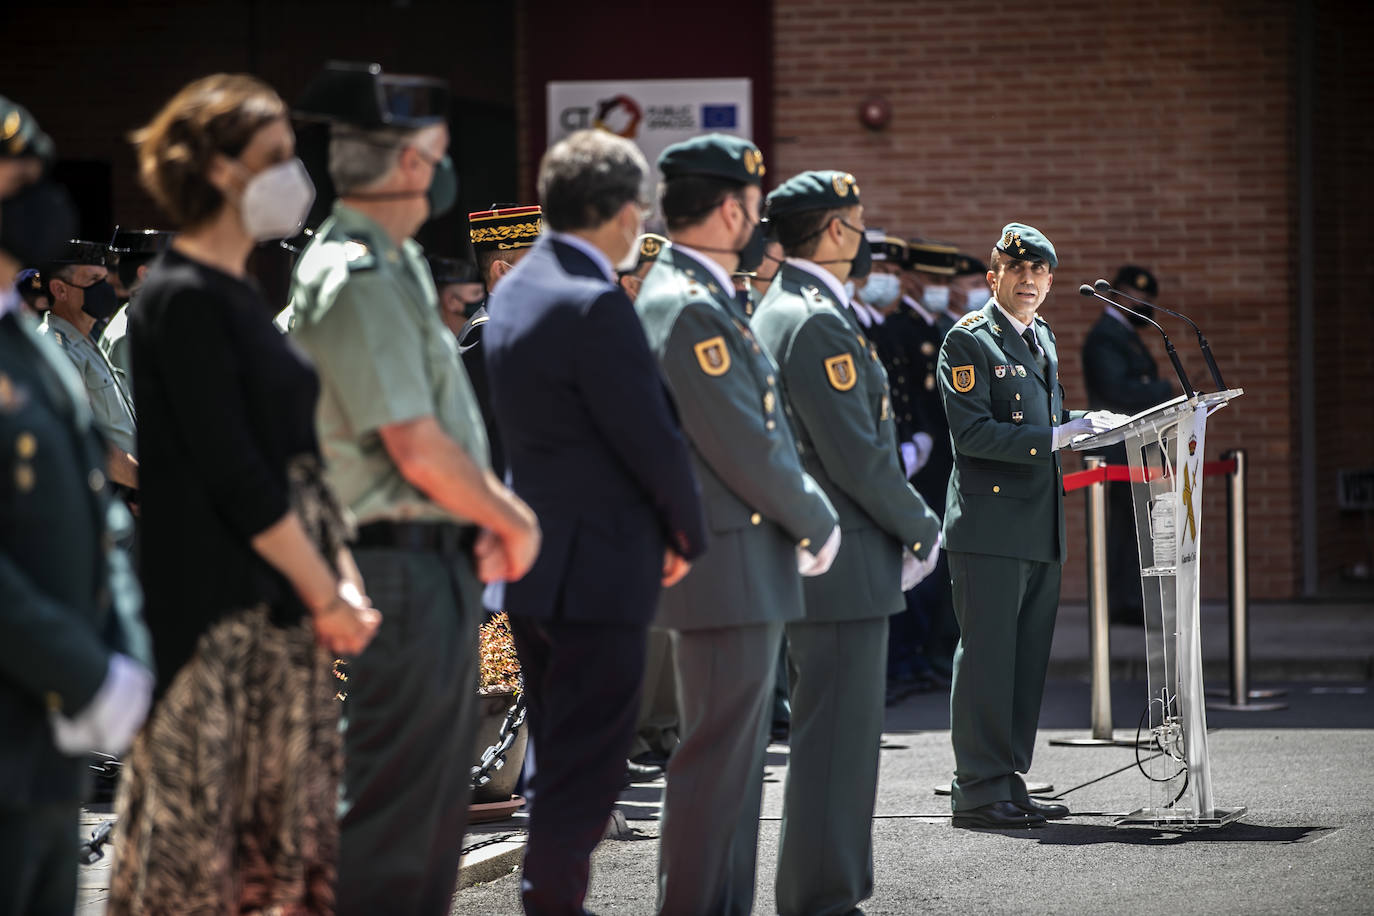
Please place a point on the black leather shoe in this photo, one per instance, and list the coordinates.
(1048, 812)
(1001, 815)
(638, 772)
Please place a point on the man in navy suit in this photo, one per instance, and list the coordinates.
(593, 445)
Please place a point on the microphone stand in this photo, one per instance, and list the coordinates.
(1104, 287)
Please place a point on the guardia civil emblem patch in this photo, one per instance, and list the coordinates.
(840, 371)
(962, 376)
(713, 356)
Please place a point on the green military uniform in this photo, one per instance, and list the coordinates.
(367, 313)
(726, 617)
(68, 598)
(112, 409)
(1004, 530)
(838, 390)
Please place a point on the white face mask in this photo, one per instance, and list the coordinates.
(935, 298)
(849, 289)
(631, 259)
(882, 290)
(276, 201)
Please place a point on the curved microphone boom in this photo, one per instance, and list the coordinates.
(1188, 388)
(1104, 287)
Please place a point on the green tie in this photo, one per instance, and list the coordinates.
(1041, 359)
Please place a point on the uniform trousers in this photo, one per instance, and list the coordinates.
(659, 728)
(709, 837)
(410, 727)
(582, 687)
(825, 856)
(1006, 609)
(38, 865)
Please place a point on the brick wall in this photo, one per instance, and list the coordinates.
(1158, 133)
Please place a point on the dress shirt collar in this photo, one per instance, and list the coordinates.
(820, 273)
(1016, 325)
(597, 256)
(1119, 316)
(727, 286)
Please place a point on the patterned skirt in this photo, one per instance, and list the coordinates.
(227, 801)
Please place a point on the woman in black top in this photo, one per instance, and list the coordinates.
(227, 800)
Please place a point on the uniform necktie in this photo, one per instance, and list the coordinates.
(1041, 359)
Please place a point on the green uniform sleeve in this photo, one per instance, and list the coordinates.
(975, 431)
(47, 648)
(366, 345)
(857, 449)
(728, 421)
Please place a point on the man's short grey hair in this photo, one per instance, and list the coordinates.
(586, 178)
(359, 158)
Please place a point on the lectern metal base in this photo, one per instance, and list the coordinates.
(1169, 819)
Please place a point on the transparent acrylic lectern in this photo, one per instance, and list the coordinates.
(1165, 447)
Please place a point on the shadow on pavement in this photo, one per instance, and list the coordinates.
(1096, 834)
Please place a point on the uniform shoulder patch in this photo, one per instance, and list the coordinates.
(840, 370)
(358, 256)
(713, 356)
(962, 378)
(970, 320)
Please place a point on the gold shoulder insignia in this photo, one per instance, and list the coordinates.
(962, 377)
(972, 319)
(713, 356)
(354, 249)
(840, 371)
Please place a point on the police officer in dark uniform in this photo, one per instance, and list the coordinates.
(131, 250)
(74, 662)
(1122, 376)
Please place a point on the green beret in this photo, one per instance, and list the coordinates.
(714, 155)
(825, 190)
(20, 134)
(1025, 243)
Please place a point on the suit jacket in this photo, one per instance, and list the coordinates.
(1006, 495)
(66, 594)
(838, 390)
(591, 441)
(760, 504)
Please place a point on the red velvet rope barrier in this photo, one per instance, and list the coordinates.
(1122, 473)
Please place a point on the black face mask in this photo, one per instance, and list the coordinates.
(36, 222)
(1147, 310)
(861, 265)
(100, 300)
(751, 255)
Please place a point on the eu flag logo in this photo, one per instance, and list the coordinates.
(719, 117)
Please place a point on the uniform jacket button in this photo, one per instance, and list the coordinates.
(805, 543)
(755, 519)
(996, 489)
(1032, 451)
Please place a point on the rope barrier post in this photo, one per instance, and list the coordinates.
(1238, 600)
(1099, 636)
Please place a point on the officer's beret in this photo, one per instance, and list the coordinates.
(649, 246)
(29, 284)
(966, 265)
(885, 247)
(139, 241)
(1026, 243)
(20, 134)
(452, 270)
(714, 155)
(361, 95)
(504, 228)
(823, 190)
(77, 251)
(931, 257)
(1136, 280)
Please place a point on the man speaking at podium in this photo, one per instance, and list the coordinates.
(1004, 528)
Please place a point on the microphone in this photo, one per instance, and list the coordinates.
(1188, 388)
(1104, 287)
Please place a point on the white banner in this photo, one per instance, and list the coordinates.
(653, 113)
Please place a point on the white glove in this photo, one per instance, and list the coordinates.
(1104, 420)
(1092, 423)
(916, 453)
(110, 721)
(817, 564)
(914, 570)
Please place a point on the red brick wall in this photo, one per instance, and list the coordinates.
(1157, 133)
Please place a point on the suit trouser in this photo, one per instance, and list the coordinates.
(410, 726)
(38, 865)
(709, 838)
(582, 686)
(659, 728)
(1006, 609)
(825, 856)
